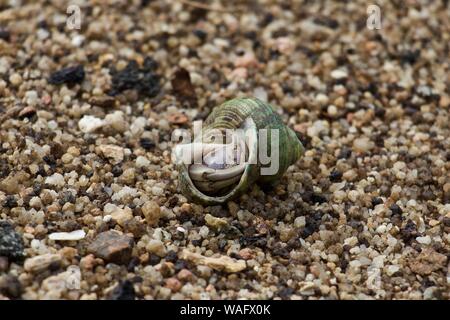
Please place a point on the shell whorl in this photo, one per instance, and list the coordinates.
(196, 180)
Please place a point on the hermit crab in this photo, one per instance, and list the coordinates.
(242, 142)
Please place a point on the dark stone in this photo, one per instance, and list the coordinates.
(70, 75)
(154, 259)
(376, 201)
(326, 22)
(147, 143)
(313, 198)
(143, 80)
(123, 291)
(282, 252)
(11, 243)
(5, 35)
(313, 222)
(117, 170)
(409, 232)
(409, 57)
(10, 286)
(285, 293)
(171, 256)
(395, 209)
(345, 153)
(202, 35)
(335, 176)
(10, 202)
(253, 241)
(446, 221)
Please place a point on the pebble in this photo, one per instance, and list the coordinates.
(118, 214)
(67, 236)
(222, 263)
(156, 247)
(152, 212)
(112, 246)
(56, 180)
(339, 74)
(142, 162)
(424, 240)
(42, 262)
(363, 144)
(90, 124)
(11, 243)
(114, 154)
(15, 79)
(216, 223)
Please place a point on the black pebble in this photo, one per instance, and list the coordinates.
(171, 256)
(11, 243)
(124, 291)
(117, 170)
(376, 201)
(147, 144)
(335, 176)
(5, 35)
(143, 80)
(10, 202)
(70, 75)
(345, 153)
(312, 197)
(396, 210)
(202, 35)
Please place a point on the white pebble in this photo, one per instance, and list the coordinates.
(68, 236)
(56, 180)
(424, 240)
(89, 124)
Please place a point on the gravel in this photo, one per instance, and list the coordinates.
(87, 180)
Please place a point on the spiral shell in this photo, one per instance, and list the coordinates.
(212, 182)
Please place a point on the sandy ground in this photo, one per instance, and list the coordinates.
(86, 121)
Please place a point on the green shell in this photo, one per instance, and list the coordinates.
(231, 115)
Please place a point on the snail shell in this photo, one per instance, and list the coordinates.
(218, 171)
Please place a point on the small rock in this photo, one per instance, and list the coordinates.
(41, 263)
(246, 253)
(142, 162)
(70, 75)
(103, 101)
(185, 275)
(11, 243)
(4, 264)
(113, 153)
(67, 236)
(392, 269)
(248, 60)
(427, 262)
(156, 247)
(173, 284)
(118, 214)
(10, 286)
(112, 246)
(223, 263)
(177, 118)
(15, 79)
(339, 74)
(123, 291)
(152, 212)
(216, 223)
(89, 124)
(116, 122)
(424, 240)
(56, 180)
(363, 144)
(300, 222)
